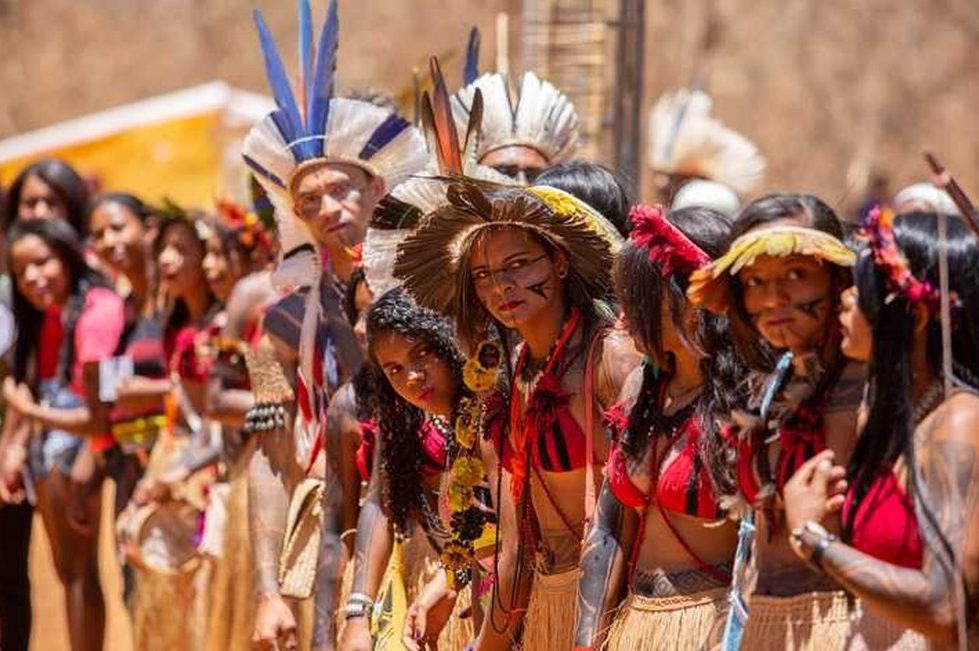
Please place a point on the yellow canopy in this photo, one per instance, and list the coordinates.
(184, 145)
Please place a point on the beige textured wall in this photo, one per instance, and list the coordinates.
(827, 87)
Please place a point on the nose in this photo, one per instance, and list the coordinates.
(207, 264)
(32, 273)
(416, 375)
(774, 296)
(42, 209)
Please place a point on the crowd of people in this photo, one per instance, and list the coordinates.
(445, 386)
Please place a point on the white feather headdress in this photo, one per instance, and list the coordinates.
(451, 156)
(540, 116)
(685, 139)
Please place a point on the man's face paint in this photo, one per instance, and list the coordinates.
(789, 300)
(514, 277)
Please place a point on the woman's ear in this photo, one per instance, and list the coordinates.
(561, 264)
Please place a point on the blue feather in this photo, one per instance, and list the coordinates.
(321, 87)
(471, 70)
(306, 47)
(261, 171)
(287, 117)
(383, 134)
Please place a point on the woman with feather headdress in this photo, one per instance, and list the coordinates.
(534, 264)
(324, 162)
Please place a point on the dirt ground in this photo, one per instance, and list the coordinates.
(50, 631)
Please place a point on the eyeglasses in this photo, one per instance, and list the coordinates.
(519, 173)
(310, 204)
(512, 272)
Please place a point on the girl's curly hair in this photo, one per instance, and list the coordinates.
(399, 422)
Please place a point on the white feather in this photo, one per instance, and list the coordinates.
(685, 139)
(541, 116)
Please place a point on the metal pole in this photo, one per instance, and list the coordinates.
(627, 120)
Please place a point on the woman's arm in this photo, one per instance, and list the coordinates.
(511, 592)
(603, 568)
(371, 553)
(925, 599)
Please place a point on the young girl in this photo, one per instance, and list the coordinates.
(533, 264)
(779, 284)
(419, 388)
(66, 316)
(659, 528)
(120, 227)
(908, 546)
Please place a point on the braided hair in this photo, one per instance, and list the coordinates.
(400, 422)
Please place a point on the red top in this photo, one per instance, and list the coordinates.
(885, 525)
(97, 332)
(433, 444)
(683, 485)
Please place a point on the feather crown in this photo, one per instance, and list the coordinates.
(668, 247)
(685, 140)
(315, 128)
(430, 261)
(540, 116)
(710, 285)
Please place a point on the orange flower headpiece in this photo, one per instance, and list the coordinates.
(248, 227)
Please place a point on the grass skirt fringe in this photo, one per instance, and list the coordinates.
(677, 623)
(232, 594)
(421, 566)
(549, 621)
(814, 621)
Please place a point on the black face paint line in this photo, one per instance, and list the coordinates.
(540, 287)
(812, 308)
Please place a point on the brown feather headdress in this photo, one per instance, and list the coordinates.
(433, 260)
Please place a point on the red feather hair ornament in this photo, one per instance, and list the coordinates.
(668, 247)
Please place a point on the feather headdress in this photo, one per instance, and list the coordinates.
(453, 155)
(668, 248)
(317, 127)
(430, 261)
(684, 139)
(540, 116)
(710, 285)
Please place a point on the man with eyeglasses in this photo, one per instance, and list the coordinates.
(325, 163)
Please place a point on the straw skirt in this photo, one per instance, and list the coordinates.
(548, 624)
(677, 623)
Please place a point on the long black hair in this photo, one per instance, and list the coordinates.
(63, 180)
(642, 290)
(889, 432)
(65, 243)
(814, 213)
(400, 422)
(606, 191)
(179, 314)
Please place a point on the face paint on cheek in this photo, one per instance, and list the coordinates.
(813, 309)
(541, 287)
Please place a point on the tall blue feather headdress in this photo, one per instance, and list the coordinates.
(311, 126)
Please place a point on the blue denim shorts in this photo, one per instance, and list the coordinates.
(55, 447)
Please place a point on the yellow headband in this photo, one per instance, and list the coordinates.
(564, 203)
(710, 285)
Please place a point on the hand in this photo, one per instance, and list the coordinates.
(275, 625)
(816, 490)
(13, 459)
(356, 635)
(429, 614)
(151, 489)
